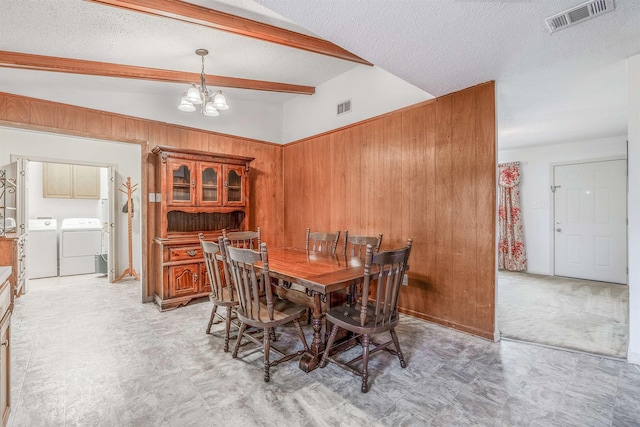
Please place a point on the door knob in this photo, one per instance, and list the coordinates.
(558, 229)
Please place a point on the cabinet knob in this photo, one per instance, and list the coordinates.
(192, 252)
(193, 183)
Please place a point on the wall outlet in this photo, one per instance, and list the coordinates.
(405, 280)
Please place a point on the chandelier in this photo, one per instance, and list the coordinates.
(210, 102)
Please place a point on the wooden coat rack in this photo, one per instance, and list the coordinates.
(130, 189)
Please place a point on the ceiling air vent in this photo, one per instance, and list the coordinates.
(344, 107)
(578, 14)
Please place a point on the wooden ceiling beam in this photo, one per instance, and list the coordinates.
(105, 69)
(199, 15)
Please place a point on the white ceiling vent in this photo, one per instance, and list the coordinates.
(344, 107)
(578, 14)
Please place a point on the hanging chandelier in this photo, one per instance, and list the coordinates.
(210, 102)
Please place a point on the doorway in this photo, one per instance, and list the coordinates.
(590, 220)
(70, 211)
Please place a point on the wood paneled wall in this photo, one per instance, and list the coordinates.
(427, 172)
(266, 172)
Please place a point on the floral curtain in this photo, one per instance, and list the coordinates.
(511, 251)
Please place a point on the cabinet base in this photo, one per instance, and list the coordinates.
(170, 304)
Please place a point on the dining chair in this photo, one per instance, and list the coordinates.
(243, 239)
(356, 246)
(322, 242)
(261, 312)
(222, 292)
(371, 315)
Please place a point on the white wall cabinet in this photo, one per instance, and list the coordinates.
(70, 181)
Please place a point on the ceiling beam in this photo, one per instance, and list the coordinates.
(77, 66)
(195, 14)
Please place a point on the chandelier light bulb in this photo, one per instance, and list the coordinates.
(186, 105)
(193, 95)
(210, 110)
(220, 101)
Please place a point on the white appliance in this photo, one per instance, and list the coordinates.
(42, 250)
(80, 242)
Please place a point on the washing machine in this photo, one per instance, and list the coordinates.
(42, 250)
(80, 241)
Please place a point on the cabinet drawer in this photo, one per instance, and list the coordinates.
(5, 298)
(185, 253)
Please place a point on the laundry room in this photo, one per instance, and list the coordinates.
(68, 219)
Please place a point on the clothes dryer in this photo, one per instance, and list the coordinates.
(80, 242)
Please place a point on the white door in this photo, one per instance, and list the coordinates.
(590, 201)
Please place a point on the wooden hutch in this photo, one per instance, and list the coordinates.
(197, 192)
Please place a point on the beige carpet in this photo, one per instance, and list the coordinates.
(562, 312)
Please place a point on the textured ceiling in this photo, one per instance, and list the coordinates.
(561, 87)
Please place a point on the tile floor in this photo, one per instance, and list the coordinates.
(88, 353)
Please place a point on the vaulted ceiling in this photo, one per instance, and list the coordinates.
(560, 87)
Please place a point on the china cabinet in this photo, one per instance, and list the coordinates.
(196, 192)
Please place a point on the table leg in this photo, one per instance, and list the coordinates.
(310, 359)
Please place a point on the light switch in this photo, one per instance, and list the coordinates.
(152, 197)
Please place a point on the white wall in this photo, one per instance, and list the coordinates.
(126, 158)
(535, 189)
(633, 76)
(372, 92)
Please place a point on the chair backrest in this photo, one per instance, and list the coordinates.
(322, 242)
(357, 245)
(247, 279)
(386, 270)
(215, 261)
(243, 239)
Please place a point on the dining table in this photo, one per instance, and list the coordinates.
(319, 274)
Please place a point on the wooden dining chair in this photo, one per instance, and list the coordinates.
(222, 292)
(243, 239)
(371, 315)
(322, 242)
(261, 312)
(356, 246)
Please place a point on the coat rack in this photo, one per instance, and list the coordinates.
(130, 189)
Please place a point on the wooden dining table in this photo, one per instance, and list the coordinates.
(320, 274)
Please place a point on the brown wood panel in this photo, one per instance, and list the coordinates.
(442, 288)
(3, 108)
(426, 172)
(43, 114)
(18, 110)
(80, 122)
(93, 122)
(353, 151)
(486, 180)
(464, 214)
(119, 127)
